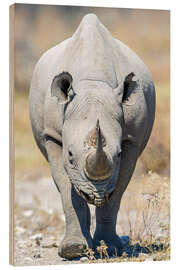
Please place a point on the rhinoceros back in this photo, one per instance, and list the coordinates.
(90, 54)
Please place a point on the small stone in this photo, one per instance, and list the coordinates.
(21, 244)
(28, 259)
(20, 229)
(36, 236)
(124, 254)
(150, 258)
(37, 254)
(50, 211)
(52, 237)
(83, 259)
(51, 245)
(29, 244)
(28, 213)
(143, 256)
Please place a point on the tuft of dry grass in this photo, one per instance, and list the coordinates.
(102, 250)
(145, 217)
(90, 254)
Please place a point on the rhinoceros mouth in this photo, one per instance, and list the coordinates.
(96, 201)
(92, 199)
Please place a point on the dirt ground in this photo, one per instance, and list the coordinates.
(40, 222)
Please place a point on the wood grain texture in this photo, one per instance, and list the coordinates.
(11, 133)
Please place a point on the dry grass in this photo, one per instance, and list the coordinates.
(157, 154)
(145, 218)
(145, 202)
(29, 162)
(145, 215)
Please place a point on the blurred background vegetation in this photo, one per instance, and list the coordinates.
(39, 27)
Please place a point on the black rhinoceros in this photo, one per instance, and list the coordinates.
(92, 107)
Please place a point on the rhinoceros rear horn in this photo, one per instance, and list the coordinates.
(94, 136)
(61, 85)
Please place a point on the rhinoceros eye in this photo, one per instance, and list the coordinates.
(70, 156)
(119, 154)
(70, 153)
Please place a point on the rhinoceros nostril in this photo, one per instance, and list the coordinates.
(108, 196)
(85, 195)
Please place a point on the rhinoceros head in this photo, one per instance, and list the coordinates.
(91, 136)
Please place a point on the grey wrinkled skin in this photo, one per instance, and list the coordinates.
(101, 100)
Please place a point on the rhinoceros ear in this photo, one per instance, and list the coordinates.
(61, 85)
(125, 88)
(128, 86)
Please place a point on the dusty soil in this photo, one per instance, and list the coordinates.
(39, 221)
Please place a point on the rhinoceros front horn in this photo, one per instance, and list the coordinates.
(97, 165)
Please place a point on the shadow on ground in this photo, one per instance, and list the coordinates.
(129, 250)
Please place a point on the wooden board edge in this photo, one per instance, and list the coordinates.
(11, 132)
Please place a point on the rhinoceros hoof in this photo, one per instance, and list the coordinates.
(72, 247)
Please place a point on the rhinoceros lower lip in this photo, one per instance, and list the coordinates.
(92, 199)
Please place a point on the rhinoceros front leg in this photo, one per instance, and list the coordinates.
(106, 216)
(77, 214)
